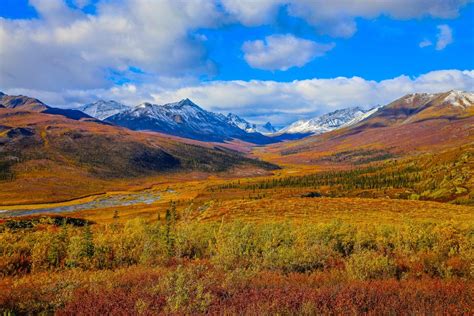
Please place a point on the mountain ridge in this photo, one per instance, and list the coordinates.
(185, 119)
(326, 122)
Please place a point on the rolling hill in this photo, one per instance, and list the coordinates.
(420, 143)
(24, 103)
(415, 123)
(54, 157)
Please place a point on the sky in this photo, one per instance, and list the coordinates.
(265, 60)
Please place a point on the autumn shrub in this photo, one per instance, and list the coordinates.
(235, 246)
(186, 290)
(194, 240)
(368, 265)
(435, 250)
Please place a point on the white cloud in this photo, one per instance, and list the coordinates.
(252, 12)
(281, 52)
(279, 102)
(445, 36)
(67, 49)
(425, 43)
(337, 17)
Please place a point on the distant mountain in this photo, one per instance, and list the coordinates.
(326, 122)
(266, 128)
(241, 123)
(413, 124)
(185, 119)
(20, 102)
(102, 109)
(419, 107)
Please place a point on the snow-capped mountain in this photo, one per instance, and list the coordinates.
(266, 129)
(459, 98)
(102, 109)
(327, 122)
(241, 123)
(185, 119)
(362, 117)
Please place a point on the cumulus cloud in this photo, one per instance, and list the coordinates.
(67, 48)
(281, 52)
(279, 102)
(444, 37)
(251, 12)
(337, 17)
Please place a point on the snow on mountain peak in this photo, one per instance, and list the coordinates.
(327, 122)
(241, 123)
(102, 109)
(460, 98)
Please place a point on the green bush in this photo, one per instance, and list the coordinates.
(368, 265)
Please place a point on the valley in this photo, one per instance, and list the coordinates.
(92, 211)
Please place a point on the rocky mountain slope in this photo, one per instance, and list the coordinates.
(186, 119)
(102, 109)
(24, 103)
(327, 122)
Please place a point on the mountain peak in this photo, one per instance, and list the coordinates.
(326, 122)
(102, 109)
(241, 123)
(459, 98)
(187, 102)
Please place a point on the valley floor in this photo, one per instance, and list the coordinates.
(305, 240)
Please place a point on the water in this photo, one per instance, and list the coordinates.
(99, 202)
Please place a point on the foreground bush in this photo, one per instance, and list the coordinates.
(369, 252)
(183, 267)
(200, 288)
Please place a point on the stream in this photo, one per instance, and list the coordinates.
(145, 197)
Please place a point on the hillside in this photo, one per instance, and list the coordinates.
(412, 124)
(326, 122)
(24, 103)
(423, 145)
(54, 157)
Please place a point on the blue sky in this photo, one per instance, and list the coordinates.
(272, 60)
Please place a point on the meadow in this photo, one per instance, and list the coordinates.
(174, 262)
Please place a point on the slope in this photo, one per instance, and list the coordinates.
(52, 158)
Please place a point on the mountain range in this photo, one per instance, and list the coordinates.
(413, 124)
(186, 119)
(328, 122)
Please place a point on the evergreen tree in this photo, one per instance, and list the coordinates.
(87, 242)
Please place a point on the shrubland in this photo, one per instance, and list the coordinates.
(175, 265)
